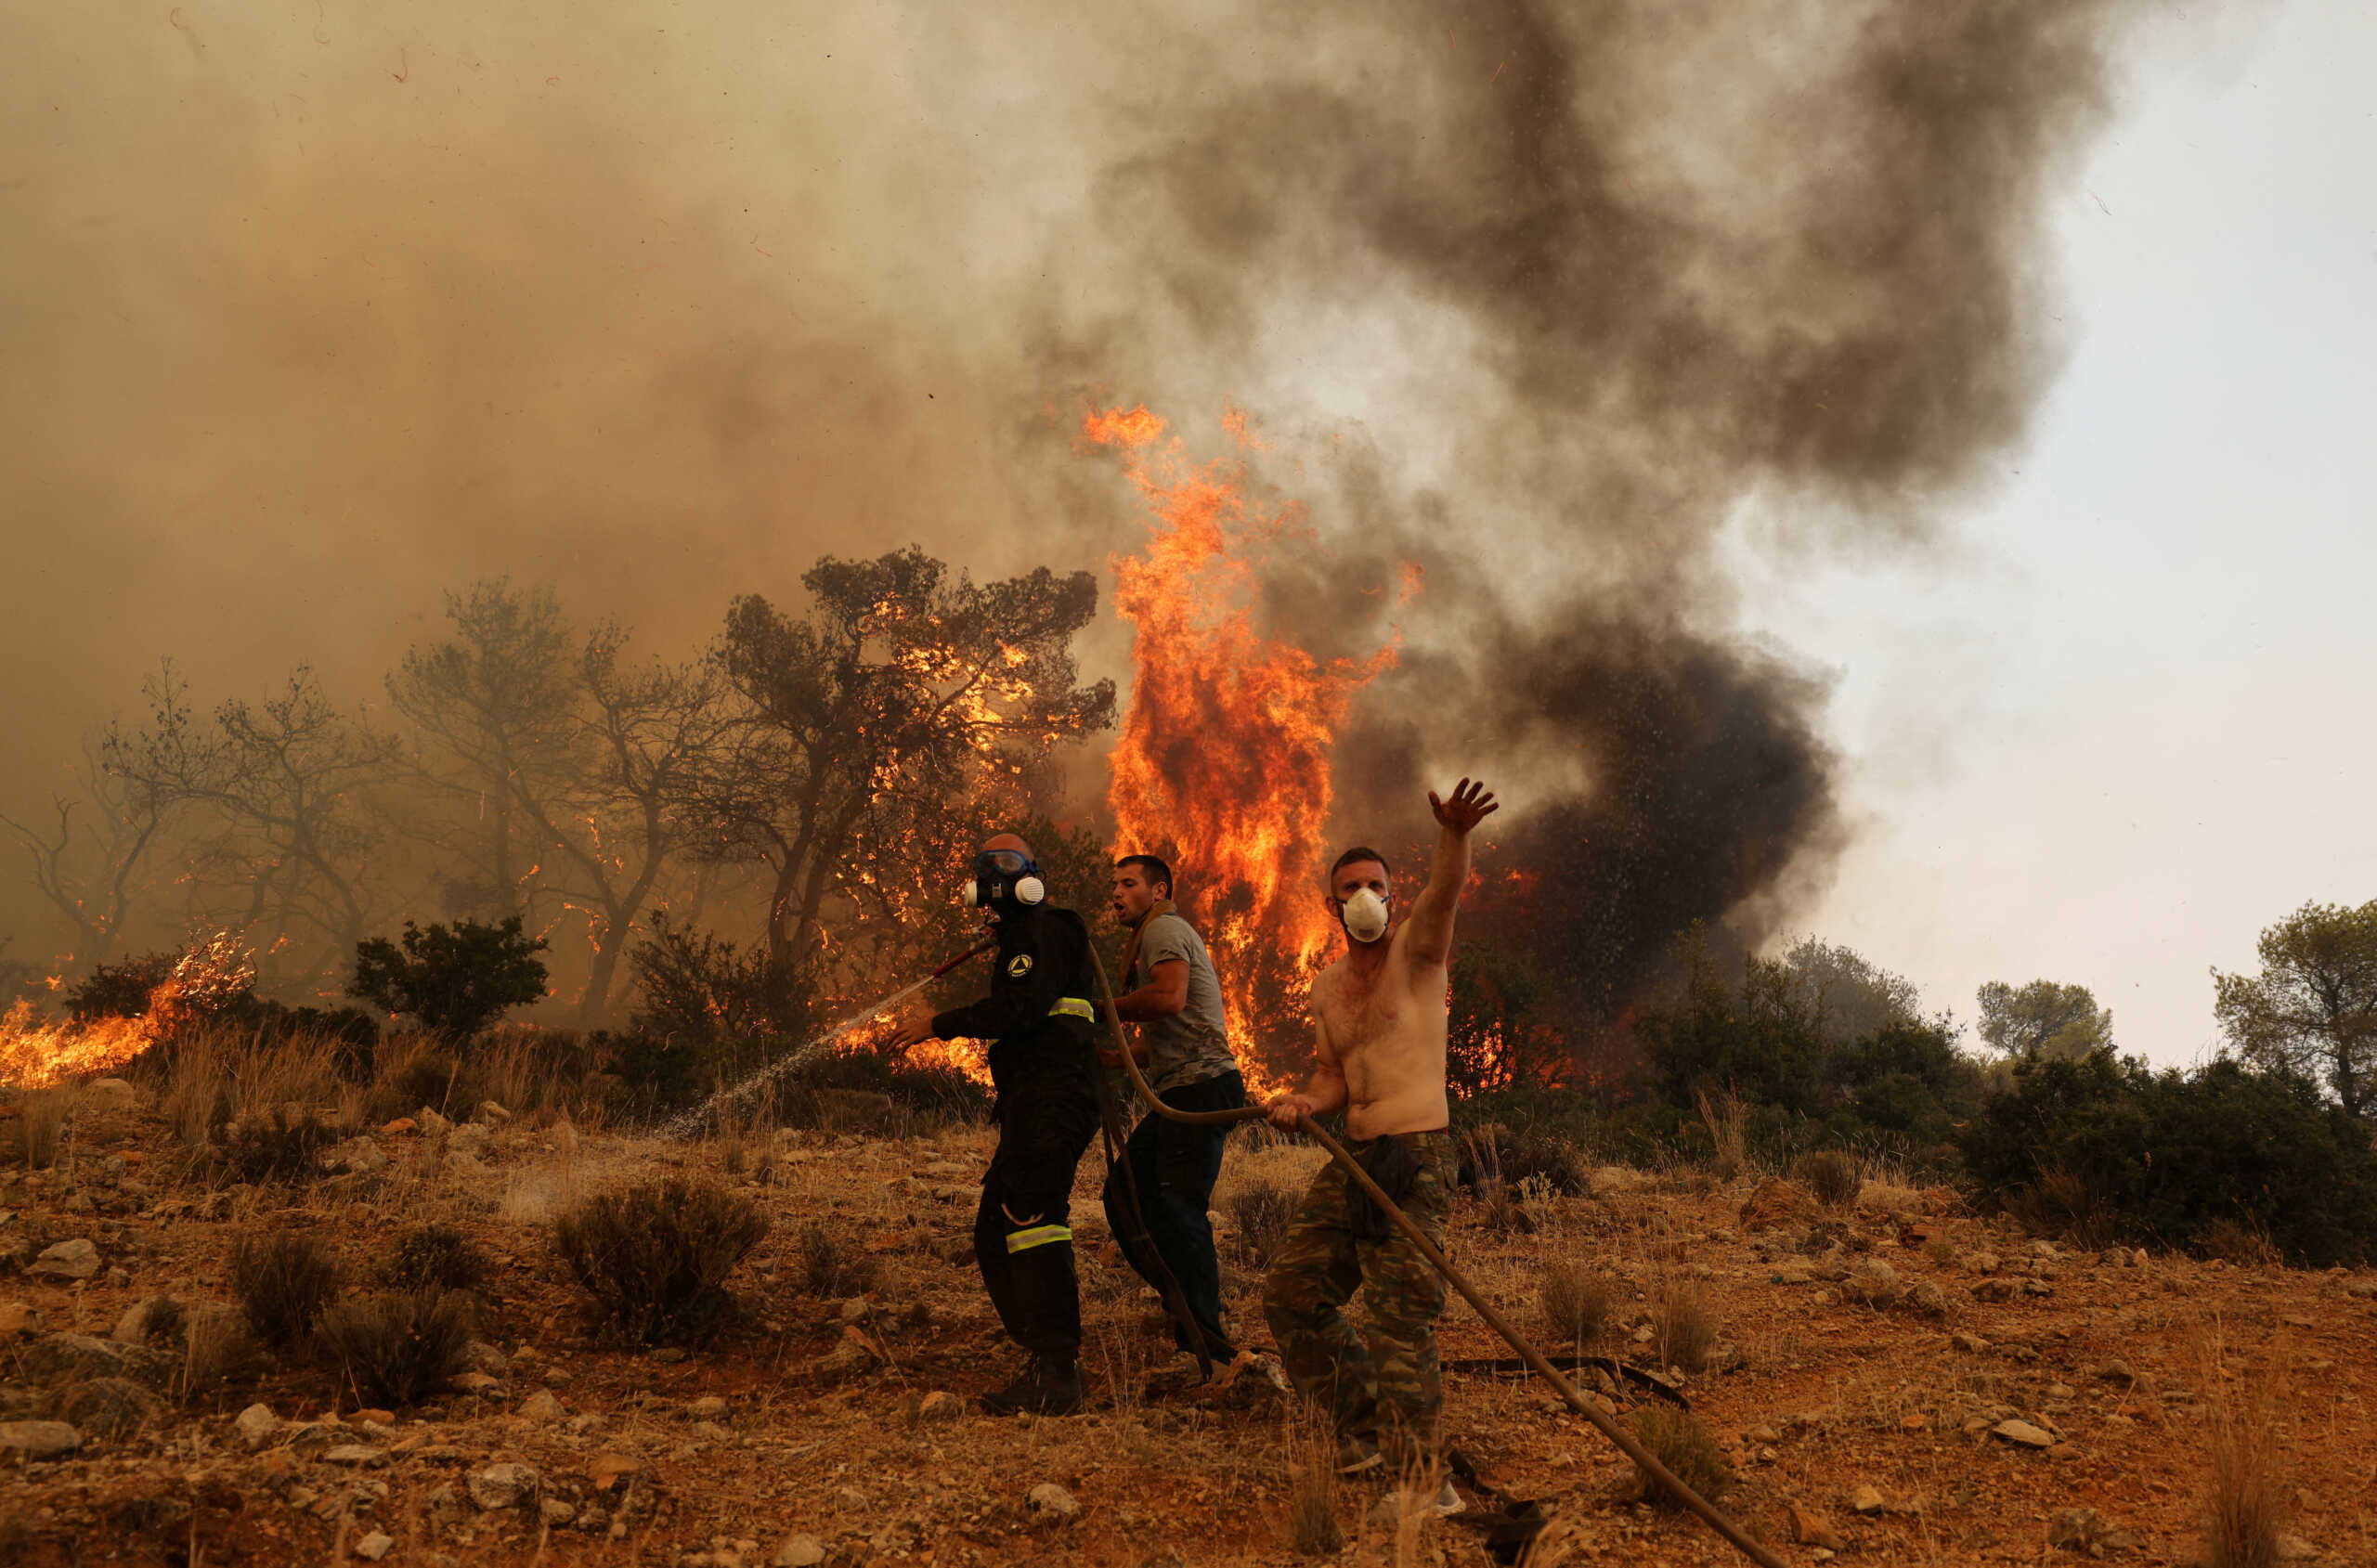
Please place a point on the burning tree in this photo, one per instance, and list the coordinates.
(900, 700)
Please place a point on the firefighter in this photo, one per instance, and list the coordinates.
(1038, 1023)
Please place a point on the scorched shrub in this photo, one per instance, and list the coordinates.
(655, 1258)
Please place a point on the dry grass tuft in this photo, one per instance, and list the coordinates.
(2062, 1203)
(1728, 1123)
(1677, 1440)
(655, 1258)
(283, 1281)
(1261, 1210)
(1686, 1322)
(827, 1268)
(197, 1096)
(216, 1353)
(38, 1130)
(283, 1143)
(400, 1347)
(1575, 1302)
(2243, 1245)
(1310, 1442)
(1831, 1174)
(2246, 1502)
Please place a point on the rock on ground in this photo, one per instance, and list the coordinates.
(502, 1486)
(1774, 1204)
(2023, 1434)
(78, 1259)
(73, 1358)
(257, 1426)
(108, 1093)
(374, 1547)
(1049, 1500)
(1810, 1528)
(109, 1409)
(38, 1440)
(800, 1552)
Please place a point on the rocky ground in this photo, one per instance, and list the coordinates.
(1894, 1381)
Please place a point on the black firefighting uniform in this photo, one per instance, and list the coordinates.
(1040, 1025)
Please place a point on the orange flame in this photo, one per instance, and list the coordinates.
(1224, 757)
(36, 1053)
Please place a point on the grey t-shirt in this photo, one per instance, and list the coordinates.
(1192, 1044)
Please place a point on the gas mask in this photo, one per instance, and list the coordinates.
(1364, 915)
(1002, 879)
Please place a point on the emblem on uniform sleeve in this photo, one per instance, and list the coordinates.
(1019, 966)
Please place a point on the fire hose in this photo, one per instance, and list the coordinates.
(1643, 1459)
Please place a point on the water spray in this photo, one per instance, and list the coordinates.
(684, 1124)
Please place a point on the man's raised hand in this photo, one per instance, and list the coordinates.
(1470, 805)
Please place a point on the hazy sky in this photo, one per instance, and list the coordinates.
(2136, 720)
(310, 311)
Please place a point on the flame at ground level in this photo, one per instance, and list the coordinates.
(37, 1053)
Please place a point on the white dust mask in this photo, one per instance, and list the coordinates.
(1364, 914)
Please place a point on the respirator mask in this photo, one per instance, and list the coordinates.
(1364, 915)
(1002, 879)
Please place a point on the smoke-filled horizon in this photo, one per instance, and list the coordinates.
(318, 313)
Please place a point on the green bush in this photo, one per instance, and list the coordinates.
(2121, 1150)
(655, 1258)
(453, 979)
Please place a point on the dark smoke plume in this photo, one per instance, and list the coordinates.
(1662, 262)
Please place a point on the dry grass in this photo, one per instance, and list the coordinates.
(196, 1095)
(1831, 1174)
(283, 1281)
(399, 1347)
(1677, 1440)
(1728, 1123)
(1310, 1443)
(1686, 1322)
(1261, 1210)
(216, 1353)
(827, 1268)
(38, 1131)
(1575, 1302)
(2246, 1500)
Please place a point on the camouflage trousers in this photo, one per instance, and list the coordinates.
(1382, 1382)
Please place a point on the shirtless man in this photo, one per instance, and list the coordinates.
(1377, 1055)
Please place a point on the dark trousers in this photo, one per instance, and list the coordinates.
(1176, 1166)
(1023, 1230)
